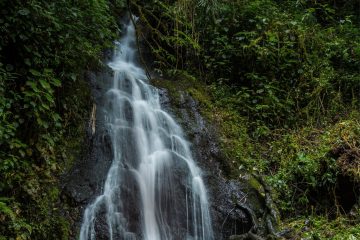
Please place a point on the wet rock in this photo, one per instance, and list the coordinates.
(286, 233)
(88, 176)
(86, 179)
(101, 226)
(246, 236)
(236, 205)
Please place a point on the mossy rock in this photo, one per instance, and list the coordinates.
(239, 202)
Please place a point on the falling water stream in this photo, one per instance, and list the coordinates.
(153, 190)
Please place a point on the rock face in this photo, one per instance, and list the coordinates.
(236, 206)
(86, 179)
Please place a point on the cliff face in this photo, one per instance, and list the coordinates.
(237, 206)
(86, 178)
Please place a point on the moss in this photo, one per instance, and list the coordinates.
(180, 81)
(308, 162)
(254, 183)
(71, 145)
(321, 228)
(53, 194)
(303, 165)
(236, 144)
(255, 192)
(64, 228)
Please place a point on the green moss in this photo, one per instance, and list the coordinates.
(311, 159)
(295, 162)
(64, 228)
(254, 183)
(53, 194)
(322, 228)
(181, 81)
(289, 158)
(236, 144)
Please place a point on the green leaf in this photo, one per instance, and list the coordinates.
(6, 210)
(24, 11)
(44, 84)
(73, 77)
(33, 86)
(49, 97)
(45, 106)
(27, 62)
(56, 82)
(34, 72)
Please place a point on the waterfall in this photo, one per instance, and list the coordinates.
(153, 190)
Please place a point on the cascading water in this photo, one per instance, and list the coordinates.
(153, 190)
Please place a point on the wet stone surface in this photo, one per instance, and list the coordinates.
(87, 178)
(224, 195)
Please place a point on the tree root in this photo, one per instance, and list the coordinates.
(270, 216)
(246, 236)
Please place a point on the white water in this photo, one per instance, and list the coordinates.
(153, 190)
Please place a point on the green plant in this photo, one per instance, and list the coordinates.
(45, 49)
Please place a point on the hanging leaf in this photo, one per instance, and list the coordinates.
(44, 84)
(24, 11)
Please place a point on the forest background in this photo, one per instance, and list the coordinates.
(279, 79)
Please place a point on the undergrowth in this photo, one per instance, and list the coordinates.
(282, 86)
(45, 48)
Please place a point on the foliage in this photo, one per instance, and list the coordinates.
(284, 82)
(321, 228)
(171, 35)
(44, 49)
(283, 67)
(282, 86)
(280, 61)
(305, 165)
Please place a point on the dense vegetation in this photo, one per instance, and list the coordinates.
(45, 47)
(282, 84)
